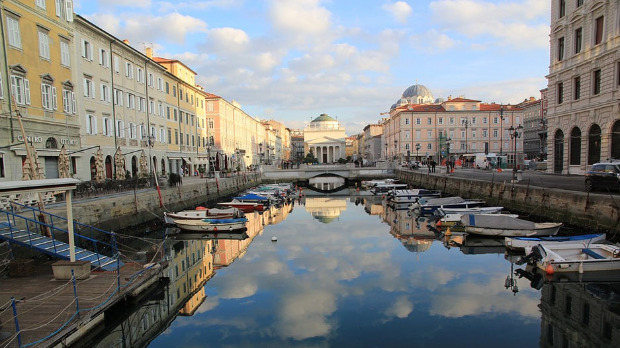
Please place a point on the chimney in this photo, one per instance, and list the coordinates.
(149, 52)
(126, 42)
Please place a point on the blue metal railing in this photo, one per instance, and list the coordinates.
(18, 222)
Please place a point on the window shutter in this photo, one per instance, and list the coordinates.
(83, 48)
(90, 52)
(86, 87)
(54, 103)
(58, 8)
(27, 91)
(101, 56)
(102, 86)
(73, 105)
(44, 97)
(69, 6)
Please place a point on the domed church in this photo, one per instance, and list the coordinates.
(416, 94)
(325, 138)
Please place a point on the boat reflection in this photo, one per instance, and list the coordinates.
(413, 231)
(193, 259)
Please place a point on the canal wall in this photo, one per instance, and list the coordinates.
(590, 211)
(123, 210)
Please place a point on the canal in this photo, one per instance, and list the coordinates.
(336, 271)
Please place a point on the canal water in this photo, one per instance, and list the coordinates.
(334, 271)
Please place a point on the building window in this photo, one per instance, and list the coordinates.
(160, 84)
(560, 49)
(68, 102)
(65, 53)
(578, 39)
(104, 58)
(150, 79)
(560, 93)
(118, 97)
(597, 81)
(579, 3)
(89, 87)
(162, 135)
(1, 88)
(562, 8)
(140, 75)
(598, 30)
(20, 88)
(44, 45)
(577, 85)
(120, 129)
(65, 6)
(128, 70)
(117, 64)
(132, 130)
(87, 50)
(48, 97)
(105, 93)
(91, 124)
(40, 3)
(107, 127)
(174, 91)
(131, 101)
(15, 38)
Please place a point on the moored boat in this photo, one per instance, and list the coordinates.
(448, 220)
(385, 188)
(211, 225)
(245, 207)
(202, 213)
(507, 226)
(583, 240)
(410, 196)
(429, 205)
(575, 258)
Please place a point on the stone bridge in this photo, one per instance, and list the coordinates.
(348, 171)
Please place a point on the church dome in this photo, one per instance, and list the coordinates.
(324, 118)
(415, 94)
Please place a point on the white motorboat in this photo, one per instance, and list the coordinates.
(429, 205)
(575, 258)
(212, 225)
(551, 241)
(504, 225)
(202, 213)
(474, 210)
(410, 196)
(385, 188)
(452, 219)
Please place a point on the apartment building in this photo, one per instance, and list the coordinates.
(583, 122)
(37, 82)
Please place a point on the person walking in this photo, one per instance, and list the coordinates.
(433, 164)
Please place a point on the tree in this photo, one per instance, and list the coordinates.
(309, 158)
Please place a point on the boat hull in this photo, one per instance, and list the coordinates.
(244, 207)
(584, 240)
(211, 225)
(546, 229)
(595, 258)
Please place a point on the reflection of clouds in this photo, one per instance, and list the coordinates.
(432, 278)
(305, 314)
(400, 309)
(209, 303)
(241, 287)
(469, 298)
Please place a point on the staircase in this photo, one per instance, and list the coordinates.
(25, 231)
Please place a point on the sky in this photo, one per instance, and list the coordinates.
(292, 60)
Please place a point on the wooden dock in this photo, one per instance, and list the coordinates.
(47, 309)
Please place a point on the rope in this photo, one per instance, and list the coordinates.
(38, 327)
(102, 294)
(12, 339)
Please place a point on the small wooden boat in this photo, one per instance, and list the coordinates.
(583, 241)
(410, 196)
(503, 225)
(575, 258)
(246, 207)
(211, 225)
(202, 213)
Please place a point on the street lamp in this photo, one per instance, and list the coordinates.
(448, 155)
(501, 128)
(417, 150)
(465, 122)
(386, 155)
(515, 133)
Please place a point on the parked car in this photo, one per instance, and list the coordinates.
(603, 176)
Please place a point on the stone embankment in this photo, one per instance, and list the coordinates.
(119, 211)
(590, 211)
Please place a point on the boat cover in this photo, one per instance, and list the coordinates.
(440, 201)
(251, 197)
(496, 221)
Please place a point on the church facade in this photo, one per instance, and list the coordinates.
(326, 139)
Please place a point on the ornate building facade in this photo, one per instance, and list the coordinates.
(325, 138)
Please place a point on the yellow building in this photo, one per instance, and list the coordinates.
(38, 81)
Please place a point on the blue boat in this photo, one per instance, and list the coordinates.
(252, 198)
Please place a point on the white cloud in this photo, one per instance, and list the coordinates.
(301, 19)
(401, 308)
(173, 27)
(507, 22)
(125, 3)
(228, 40)
(400, 10)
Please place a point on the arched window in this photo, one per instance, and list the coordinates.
(594, 144)
(575, 146)
(51, 143)
(615, 139)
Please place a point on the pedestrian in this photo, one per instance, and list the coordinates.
(433, 164)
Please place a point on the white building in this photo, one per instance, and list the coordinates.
(325, 138)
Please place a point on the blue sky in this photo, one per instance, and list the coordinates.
(291, 60)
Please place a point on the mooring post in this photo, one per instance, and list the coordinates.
(19, 337)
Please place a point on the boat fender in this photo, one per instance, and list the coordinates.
(448, 232)
(215, 228)
(550, 269)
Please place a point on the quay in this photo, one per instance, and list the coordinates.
(65, 313)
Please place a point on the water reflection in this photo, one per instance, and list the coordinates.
(353, 281)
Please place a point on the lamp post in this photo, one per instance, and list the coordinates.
(501, 130)
(543, 138)
(417, 150)
(515, 133)
(386, 155)
(465, 122)
(448, 155)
